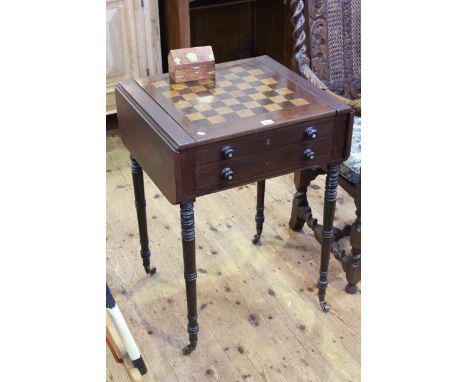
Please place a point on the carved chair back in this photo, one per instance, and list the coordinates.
(332, 32)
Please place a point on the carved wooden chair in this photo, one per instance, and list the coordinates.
(333, 33)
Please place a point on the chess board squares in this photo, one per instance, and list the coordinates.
(159, 84)
(206, 81)
(189, 96)
(231, 101)
(243, 85)
(249, 79)
(252, 104)
(198, 88)
(224, 83)
(263, 88)
(202, 107)
(238, 107)
(283, 91)
(299, 102)
(272, 107)
(216, 104)
(170, 94)
(231, 88)
(257, 96)
(245, 113)
(250, 91)
(236, 69)
(255, 72)
(237, 81)
(216, 119)
(178, 86)
(182, 104)
(224, 110)
(269, 81)
(195, 116)
(230, 76)
(217, 91)
(278, 99)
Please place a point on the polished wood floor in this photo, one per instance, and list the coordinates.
(258, 309)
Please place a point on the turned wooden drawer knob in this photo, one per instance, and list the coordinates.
(227, 173)
(309, 154)
(227, 151)
(310, 133)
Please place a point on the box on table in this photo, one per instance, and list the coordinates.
(191, 64)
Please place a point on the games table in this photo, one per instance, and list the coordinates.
(255, 121)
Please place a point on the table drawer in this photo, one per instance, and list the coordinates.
(264, 162)
(239, 147)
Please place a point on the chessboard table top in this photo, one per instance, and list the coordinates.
(246, 96)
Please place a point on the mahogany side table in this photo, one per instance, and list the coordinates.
(255, 121)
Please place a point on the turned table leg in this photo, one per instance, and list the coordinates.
(331, 186)
(259, 217)
(140, 204)
(353, 271)
(190, 273)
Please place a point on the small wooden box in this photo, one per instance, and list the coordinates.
(191, 64)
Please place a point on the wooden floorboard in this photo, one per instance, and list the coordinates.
(258, 309)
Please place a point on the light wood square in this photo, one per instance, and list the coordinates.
(283, 91)
(195, 116)
(243, 86)
(278, 99)
(216, 119)
(170, 94)
(245, 113)
(255, 72)
(224, 110)
(159, 84)
(198, 88)
(252, 104)
(269, 81)
(189, 97)
(202, 107)
(224, 83)
(236, 69)
(231, 101)
(263, 88)
(230, 76)
(206, 81)
(182, 104)
(217, 91)
(238, 93)
(272, 107)
(250, 79)
(257, 96)
(178, 86)
(299, 102)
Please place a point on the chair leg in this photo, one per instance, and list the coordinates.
(300, 212)
(140, 204)
(353, 271)
(331, 186)
(259, 217)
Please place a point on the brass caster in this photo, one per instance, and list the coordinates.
(256, 239)
(324, 306)
(150, 270)
(188, 349)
